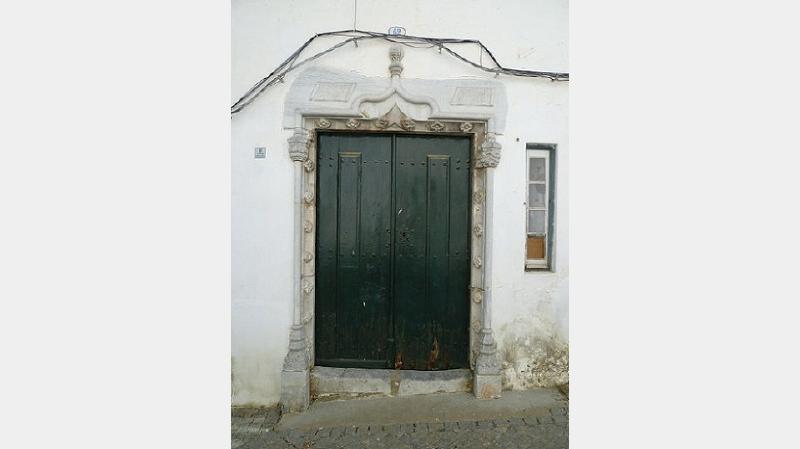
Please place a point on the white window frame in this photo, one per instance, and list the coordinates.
(536, 153)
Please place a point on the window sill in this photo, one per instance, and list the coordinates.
(537, 266)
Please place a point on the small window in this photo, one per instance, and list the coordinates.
(540, 171)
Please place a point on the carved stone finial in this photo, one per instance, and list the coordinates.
(489, 153)
(395, 56)
(298, 145)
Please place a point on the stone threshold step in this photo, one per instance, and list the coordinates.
(329, 382)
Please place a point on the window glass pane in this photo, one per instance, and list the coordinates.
(536, 195)
(536, 169)
(536, 221)
(535, 248)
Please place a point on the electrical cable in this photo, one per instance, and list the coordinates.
(354, 36)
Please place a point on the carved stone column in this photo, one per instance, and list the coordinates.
(295, 374)
(488, 382)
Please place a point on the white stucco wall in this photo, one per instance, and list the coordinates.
(530, 309)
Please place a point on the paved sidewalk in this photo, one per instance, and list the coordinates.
(536, 427)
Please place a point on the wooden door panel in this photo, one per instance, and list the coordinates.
(392, 265)
(431, 303)
(354, 248)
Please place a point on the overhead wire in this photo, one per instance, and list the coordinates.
(290, 64)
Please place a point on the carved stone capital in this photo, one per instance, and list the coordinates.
(298, 145)
(489, 152)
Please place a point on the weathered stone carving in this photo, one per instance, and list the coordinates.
(436, 126)
(395, 118)
(323, 123)
(477, 296)
(489, 152)
(308, 226)
(353, 123)
(486, 362)
(477, 262)
(298, 145)
(297, 358)
(308, 257)
(477, 197)
(476, 327)
(311, 136)
(477, 230)
(308, 286)
(395, 56)
(308, 165)
(308, 197)
(466, 127)
(381, 123)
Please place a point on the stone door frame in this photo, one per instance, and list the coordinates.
(485, 155)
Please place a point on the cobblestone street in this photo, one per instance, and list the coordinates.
(255, 428)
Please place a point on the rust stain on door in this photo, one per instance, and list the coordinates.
(434, 353)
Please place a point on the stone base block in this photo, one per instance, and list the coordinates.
(487, 386)
(294, 391)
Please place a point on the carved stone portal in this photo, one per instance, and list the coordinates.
(406, 112)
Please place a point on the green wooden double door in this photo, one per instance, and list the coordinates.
(392, 267)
